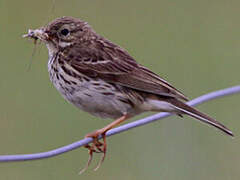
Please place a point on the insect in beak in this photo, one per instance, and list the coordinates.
(36, 34)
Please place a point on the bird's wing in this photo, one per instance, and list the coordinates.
(115, 65)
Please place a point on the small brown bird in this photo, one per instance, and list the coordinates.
(101, 78)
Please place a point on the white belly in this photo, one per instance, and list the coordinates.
(96, 97)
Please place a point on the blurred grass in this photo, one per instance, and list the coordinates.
(192, 44)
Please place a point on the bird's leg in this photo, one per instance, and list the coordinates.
(98, 146)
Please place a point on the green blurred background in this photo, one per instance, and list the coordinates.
(192, 44)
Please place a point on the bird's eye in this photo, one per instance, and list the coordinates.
(65, 32)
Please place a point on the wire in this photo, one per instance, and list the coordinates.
(126, 127)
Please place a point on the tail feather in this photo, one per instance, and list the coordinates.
(186, 109)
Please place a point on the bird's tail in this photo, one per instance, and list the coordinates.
(186, 109)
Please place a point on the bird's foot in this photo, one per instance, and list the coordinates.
(96, 147)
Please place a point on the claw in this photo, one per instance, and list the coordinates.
(104, 150)
(97, 146)
(90, 152)
(100, 162)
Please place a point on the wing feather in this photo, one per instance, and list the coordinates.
(113, 64)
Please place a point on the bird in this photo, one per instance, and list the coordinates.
(103, 79)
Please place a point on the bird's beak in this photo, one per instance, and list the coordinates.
(37, 34)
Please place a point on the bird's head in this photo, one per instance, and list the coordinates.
(62, 32)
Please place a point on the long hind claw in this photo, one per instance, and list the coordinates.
(90, 152)
(104, 150)
(99, 147)
(95, 147)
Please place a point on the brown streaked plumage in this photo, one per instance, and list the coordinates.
(103, 79)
